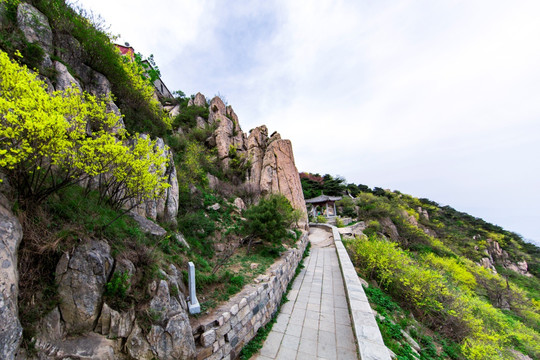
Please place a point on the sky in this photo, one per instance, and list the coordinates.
(436, 99)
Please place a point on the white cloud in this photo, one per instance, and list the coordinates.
(439, 99)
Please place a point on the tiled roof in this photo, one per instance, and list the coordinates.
(323, 198)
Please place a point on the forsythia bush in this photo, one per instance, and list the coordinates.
(450, 303)
(142, 85)
(44, 144)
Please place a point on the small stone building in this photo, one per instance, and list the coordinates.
(322, 205)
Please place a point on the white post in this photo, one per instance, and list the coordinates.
(193, 303)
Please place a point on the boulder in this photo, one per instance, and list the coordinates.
(64, 79)
(85, 347)
(487, 263)
(410, 340)
(148, 226)
(389, 228)
(214, 207)
(115, 324)
(170, 336)
(10, 326)
(239, 204)
(164, 208)
(201, 122)
(50, 331)
(137, 346)
(81, 278)
(70, 49)
(353, 230)
(423, 213)
(35, 26)
(173, 111)
(181, 240)
(175, 341)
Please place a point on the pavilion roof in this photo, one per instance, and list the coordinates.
(323, 198)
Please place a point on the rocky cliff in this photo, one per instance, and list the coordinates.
(84, 324)
(271, 170)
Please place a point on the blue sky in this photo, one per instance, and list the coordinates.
(434, 99)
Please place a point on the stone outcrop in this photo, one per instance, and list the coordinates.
(256, 146)
(350, 232)
(85, 327)
(199, 100)
(35, 26)
(279, 174)
(228, 132)
(389, 228)
(164, 208)
(10, 238)
(496, 255)
(171, 336)
(85, 347)
(64, 79)
(423, 213)
(148, 226)
(81, 278)
(273, 168)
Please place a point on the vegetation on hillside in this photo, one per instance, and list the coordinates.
(70, 182)
(427, 258)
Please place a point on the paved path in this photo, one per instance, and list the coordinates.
(315, 322)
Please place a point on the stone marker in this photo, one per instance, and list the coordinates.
(193, 304)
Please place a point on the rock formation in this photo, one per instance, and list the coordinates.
(85, 324)
(10, 238)
(81, 279)
(164, 208)
(35, 26)
(273, 169)
(496, 255)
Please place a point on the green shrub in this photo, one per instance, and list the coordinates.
(133, 90)
(372, 228)
(118, 285)
(269, 220)
(320, 219)
(187, 119)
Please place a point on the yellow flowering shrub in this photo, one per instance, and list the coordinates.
(453, 307)
(44, 144)
(455, 269)
(141, 84)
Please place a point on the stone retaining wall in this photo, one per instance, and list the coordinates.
(366, 330)
(222, 334)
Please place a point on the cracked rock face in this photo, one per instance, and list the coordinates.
(81, 278)
(273, 168)
(164, 208)
(35, 26)
(10, 327)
